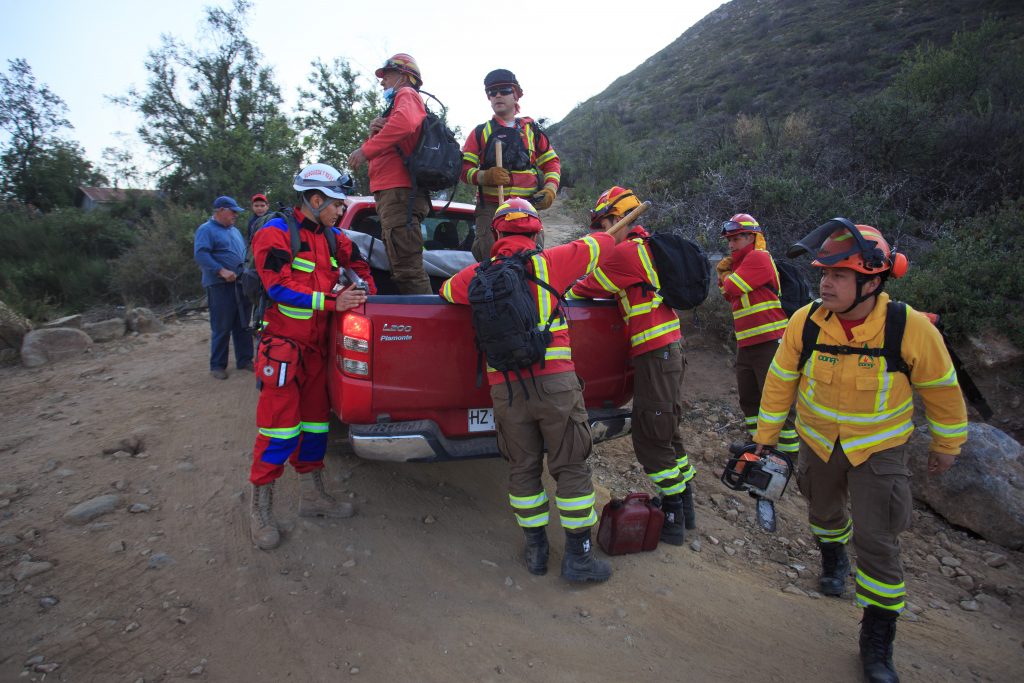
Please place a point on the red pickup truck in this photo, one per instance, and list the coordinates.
(404, 378)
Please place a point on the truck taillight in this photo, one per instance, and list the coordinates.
(356, 330)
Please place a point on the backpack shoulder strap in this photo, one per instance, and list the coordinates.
(895, 325)
(293, 233)
(808, 337)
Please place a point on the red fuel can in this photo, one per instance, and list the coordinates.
(630, 525)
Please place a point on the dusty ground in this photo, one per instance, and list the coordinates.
(426, 583)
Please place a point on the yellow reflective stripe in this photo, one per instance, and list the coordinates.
(534, 521)
(305, 265)
(860, 418)
(527, 502)
(864, 601)
(772, 418)
(602, 279)
(318, 301)
(654, 332)
(471, 175)
(595, 252)
(810, 434)
(314, 427)
(579, 522)
(471, 158)
(553, 175)
(664, 474)
(783, 374)
(834, 535)
(281, 432)
(643, 251)
(901, 429)
(641, 309)
(947, 380)
(761, 329)
(756, 308)
(446, 290)
(297, 313)
(546, 157)
(674, 489)
(334, 262)
(530, 142)
(888, 590)
(739, 282)
(578, 503)
(947, 430)
(558, 353)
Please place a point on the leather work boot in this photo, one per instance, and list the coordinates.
(689, 513)
(536, 552)
(262, 526)
(314, 501)
(579, 563)
(835, 567)
(672, 530)
(877, 633)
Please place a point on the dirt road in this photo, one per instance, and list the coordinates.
(425, 584)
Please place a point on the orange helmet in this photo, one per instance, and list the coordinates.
(616, 201)
(403, 63)
(517, 216)
(861, 248)
(739, 224)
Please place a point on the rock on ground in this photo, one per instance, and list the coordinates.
(105, 330)
(92, 508)
(143, 321)
(48, 346)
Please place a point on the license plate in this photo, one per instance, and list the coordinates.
(481, 419)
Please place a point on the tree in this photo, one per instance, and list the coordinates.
(37, 165)
(222, 133)
(334, 115)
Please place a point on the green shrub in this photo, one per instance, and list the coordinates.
(160, 267)
(972, 275)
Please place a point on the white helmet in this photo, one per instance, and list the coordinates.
(326, 179)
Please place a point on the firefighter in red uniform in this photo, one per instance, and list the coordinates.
(657, 356)
(393, 135)
(291, 363)
(530, 167)
(556, 418)
(749, 281)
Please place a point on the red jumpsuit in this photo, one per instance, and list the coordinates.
(291, 362)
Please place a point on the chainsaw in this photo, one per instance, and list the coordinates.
(764, 477)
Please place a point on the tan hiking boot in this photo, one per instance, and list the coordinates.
(265, 534)
(314, 501)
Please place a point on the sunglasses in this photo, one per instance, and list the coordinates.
(504, 90)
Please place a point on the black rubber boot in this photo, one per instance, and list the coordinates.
(579, 563)
(672, 530)
(835, 567)
(877, 633)
(536, 552)
(689, 513)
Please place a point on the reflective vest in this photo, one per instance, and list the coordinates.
(751, 290)
(528, 156)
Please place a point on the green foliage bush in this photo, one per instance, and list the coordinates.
(159, 268)
(57, 262)
(972, 277)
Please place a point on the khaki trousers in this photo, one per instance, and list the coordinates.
(752, 365)
(880, 506)
(657, 411)
(552, 418)
(404, 244)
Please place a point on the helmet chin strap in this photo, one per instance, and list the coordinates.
(861, 296)
(315, 212)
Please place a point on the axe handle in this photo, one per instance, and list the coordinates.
(628, 218)
(497, 159)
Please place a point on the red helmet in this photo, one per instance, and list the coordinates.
(615, 201)
(403, 63)
(739, 224)
(861, 248)
(517, 216)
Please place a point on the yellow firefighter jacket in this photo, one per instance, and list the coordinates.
(854, 398)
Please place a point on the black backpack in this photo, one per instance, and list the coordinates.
(505, 317)
(794, 292)
(436, 160)
(683, 270)
(252, 285)
(892, 343)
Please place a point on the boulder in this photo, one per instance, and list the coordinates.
(143, 321)
(994, 350)
(105, 330)
(74, 321)
(48, 346)
(983, 491)
(13, 328)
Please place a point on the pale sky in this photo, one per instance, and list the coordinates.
(562, 53)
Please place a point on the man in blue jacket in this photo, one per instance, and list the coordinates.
(220, 252)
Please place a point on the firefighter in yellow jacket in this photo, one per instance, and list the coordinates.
(854, 409)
